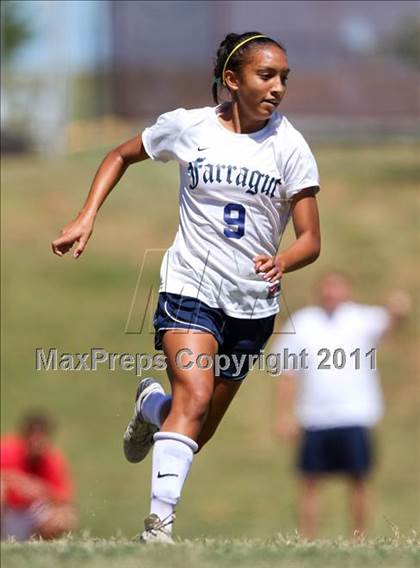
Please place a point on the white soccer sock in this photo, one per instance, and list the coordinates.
(152, 406)
(172, 459)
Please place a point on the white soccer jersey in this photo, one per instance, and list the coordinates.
(338, 385)
(235, 192)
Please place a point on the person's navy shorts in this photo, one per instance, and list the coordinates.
(336, 450)
(235, 336)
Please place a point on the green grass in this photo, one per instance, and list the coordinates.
(242, 485)
(278, 551)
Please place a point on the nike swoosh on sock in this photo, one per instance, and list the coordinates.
(167, 475)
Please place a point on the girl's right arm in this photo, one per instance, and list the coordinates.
(106, 178)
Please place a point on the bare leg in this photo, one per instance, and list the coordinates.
(308, 506)
(55, 520)
(190, 357)
(192, 388)
(359, 505)
(223, 393)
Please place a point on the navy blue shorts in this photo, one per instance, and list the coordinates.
(336, 450)
(236, 337)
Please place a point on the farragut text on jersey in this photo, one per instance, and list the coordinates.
(254, 180)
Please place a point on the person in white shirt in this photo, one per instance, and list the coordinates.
(329, 396)
(244, 171)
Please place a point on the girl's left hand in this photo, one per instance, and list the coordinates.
(273, 268)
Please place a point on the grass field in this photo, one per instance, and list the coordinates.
(242, 486)
(278, 551)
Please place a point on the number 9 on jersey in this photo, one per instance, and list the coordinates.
(234, 216)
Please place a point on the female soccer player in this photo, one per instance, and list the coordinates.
(244, 170)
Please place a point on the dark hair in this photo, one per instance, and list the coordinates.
(36, 420)
(238, 58)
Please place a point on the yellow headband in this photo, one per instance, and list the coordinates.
(233, 51)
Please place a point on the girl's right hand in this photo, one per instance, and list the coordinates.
(77, 231)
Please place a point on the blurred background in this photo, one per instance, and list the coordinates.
(79, 77)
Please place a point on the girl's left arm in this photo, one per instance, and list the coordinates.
(307, 245)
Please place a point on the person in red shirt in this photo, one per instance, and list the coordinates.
(36, 487)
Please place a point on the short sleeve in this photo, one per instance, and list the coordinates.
(300, 170)
(376, 321)
(160, 140)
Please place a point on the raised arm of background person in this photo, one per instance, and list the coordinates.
(305, 249)
(399, 306)
(285, 425)
(106, 178)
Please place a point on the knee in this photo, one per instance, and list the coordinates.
(199, 403)
(56, 520)
(309, 484)
(196, 404)
(358, 483)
